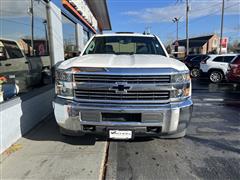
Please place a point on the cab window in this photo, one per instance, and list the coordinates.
(228, 59)
(3, 55)
(218, 59)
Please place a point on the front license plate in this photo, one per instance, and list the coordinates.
(120, 134)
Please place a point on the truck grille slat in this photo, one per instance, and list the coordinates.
(117, 78)
(111, 95)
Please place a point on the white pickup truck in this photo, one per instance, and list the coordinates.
(123, 85)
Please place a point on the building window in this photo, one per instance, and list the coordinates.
(69, 38)
(23, 54)
(215, 43)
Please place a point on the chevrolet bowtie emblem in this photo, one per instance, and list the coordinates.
(120, 88)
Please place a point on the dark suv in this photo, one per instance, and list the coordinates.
(193, 64)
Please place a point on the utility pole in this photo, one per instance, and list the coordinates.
(46, 35)
(187, 11)
(176, 20)
(222, 19)
(32, 27)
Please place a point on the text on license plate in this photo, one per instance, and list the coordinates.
(120, 134)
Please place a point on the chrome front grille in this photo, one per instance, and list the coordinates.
(129, 96)
(130, 79)
(121, 88)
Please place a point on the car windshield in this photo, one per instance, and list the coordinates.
(120, 45)
(189, 57)
(199, 58)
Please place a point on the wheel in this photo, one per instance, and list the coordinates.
(66, 132)
(174, 136)
(195, 73)
(216, 76)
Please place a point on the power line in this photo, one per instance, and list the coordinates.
(213, 13)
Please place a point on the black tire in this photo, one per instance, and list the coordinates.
(195, 73)
(216, 76)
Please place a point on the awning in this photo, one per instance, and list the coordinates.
(100, 11)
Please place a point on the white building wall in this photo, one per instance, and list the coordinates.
(79, 37)
(18, 116)
(55, 30)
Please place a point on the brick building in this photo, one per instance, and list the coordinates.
(197, 45)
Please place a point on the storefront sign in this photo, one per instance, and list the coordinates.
(224, 42)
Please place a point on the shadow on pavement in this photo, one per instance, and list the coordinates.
(48, 130)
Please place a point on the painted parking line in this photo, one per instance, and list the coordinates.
(213, 99)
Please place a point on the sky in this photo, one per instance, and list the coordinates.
(135, 16)
(204, 17)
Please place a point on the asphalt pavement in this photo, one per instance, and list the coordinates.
(210, 150)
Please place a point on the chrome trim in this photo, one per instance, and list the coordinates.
(135, 71)
(130, 124)
(123, 107)
(67, 115)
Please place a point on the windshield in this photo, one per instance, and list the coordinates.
(124, 45)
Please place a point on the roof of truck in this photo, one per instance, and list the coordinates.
(125, 34)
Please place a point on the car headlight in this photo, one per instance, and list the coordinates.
(179, 78)
(63, 75)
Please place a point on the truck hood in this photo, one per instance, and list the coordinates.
(123, 61)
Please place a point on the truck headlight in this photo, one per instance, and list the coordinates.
(63, 84)
(63, 89)
(178, 78)
(63, 75)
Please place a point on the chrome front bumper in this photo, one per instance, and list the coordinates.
(175, 117)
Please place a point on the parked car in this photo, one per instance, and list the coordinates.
(193, 64)
(125, 85)
(216, 66)
(233, 73)
(19, 69)
(189, 57)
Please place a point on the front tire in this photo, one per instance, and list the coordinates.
(195, 73)
(216, 76)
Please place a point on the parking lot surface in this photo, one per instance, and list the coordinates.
(210, 150)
